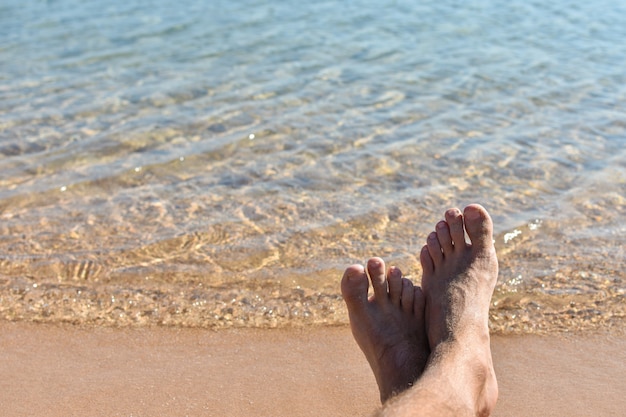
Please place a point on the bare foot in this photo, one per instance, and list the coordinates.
(388, 327)
(458, 281)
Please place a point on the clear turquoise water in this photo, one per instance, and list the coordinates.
(219, 164)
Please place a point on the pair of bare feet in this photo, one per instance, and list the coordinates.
(429, 346)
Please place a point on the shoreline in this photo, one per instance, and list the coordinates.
(61, 370)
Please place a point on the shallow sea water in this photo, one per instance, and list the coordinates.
(219, 165)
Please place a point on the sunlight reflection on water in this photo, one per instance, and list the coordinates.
(220, 164)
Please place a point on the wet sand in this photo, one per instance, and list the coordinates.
(64, 371)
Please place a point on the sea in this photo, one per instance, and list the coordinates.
(218, 164)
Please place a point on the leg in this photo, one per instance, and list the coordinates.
(459, 279)
(388, 327)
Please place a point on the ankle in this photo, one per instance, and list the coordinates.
(470, 372)
(488, 396)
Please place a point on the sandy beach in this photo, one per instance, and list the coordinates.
(70, 371)
(184, 183)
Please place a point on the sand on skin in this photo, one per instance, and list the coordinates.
(64, 370)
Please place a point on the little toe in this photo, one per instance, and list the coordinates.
(443, 235)
(394, 280)
(354, 286)
(434, 248)
(454, 218)
(479, 226)
(427, 262)
(407, 295)
(376, 272)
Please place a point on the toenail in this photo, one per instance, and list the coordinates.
(441, 225)
(454, 212)
(353, 274)
(355, 271)
(374, 262)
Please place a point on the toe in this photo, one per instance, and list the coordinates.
(354, 287)
(454, 218)
(443, 235)
(394, 280)
(407, 295)
(479, 226)
(427, 262)
(434, 248)
(376, 272)
(419, 303)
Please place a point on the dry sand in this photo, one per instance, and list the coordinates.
(68, 371)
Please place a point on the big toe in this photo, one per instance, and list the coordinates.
(354, 286)
(479, 226)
